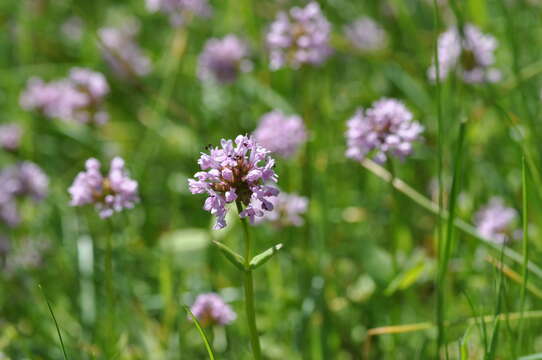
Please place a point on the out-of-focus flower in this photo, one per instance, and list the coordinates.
(180, 11)
(223, 59)
(21, 180)
(287, 210)
(280, 133)
(494, 221)
(366, 35)
(210, 309)
(10, 136)
(471, 53)
(79, 97)
(109, 194)
(9, 214)
(121, 51)
(5, 246)
(24, 179)
(32, 181)
(28, 255)
(73, 28)
(385, 128)
(299, 37)
(236, 173)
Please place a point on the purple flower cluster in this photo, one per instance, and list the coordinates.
(78, 97)
(299, 37)
(180, 11)
(27, 255)
(385, 128)
(287, 210)
(10, 136)
(109, 194)
(210, 309)
(494, 221)
(18, 181)
(122, 53)
(223, 59)
(280, 133)
(366, 35)
(236, 173)
(473, 55)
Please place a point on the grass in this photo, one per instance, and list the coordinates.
(389, 263)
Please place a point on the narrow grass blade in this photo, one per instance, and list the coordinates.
(481, 325)
(445, 249)
(525, 237)
(56, 323)
(424, 202)
(407, 328)
(514, 276)
(494, 343)
(208, 346)
(537, 356)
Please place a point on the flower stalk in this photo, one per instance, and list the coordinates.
(249, 289)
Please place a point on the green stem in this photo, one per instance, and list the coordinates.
(111, 338)
(427, 204)
(249, 290)
(525, 272)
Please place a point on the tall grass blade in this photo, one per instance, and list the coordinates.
(427, 204)
(525, 237)
(480, 324)
(56, 323)
(445, 249)
(491, 352)
(202, 334)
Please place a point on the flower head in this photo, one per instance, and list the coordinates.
(280, 133)
(366, 34)
(473, 55)
(180, 11)
(299, 37)
(121, 51)
(385, 128)
(18, 181)
(223, 59)
(210, 309)
(78, 97)
(10, 136)
(494, 221)
(236, 171)
(287, 210)
(110, 194)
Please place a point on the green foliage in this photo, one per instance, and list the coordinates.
(360, 279)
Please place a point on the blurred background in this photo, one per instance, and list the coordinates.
(366, 255)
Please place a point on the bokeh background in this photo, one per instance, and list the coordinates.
(367, 255)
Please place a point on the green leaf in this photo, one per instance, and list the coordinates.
(265, 94)
(532, 357)
(405, 279)
(264, 257)
(202, 334)
(237, 260)
(411, 87)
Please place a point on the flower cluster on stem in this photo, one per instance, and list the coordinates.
(210, 309)
(110, 194)
(236, 171)
(385, 128)
(78, 97)
(299, 36)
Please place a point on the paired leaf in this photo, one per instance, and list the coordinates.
(237, 260)
(264, 257)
